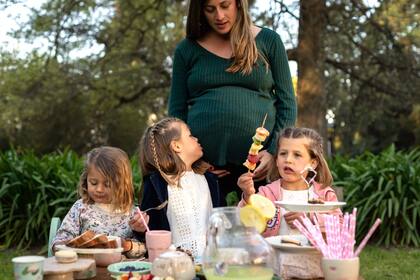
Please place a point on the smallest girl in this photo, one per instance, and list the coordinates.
(106, 205)
(299, 152)
(170, 159)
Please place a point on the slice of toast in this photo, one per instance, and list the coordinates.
(290, 240)
(111, 243)
(95, 242)
(78, 240)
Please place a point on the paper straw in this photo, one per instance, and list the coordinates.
(337, 235)
(345, 237)
(142, 219)
(334, 236)
(318, 227)
(368, 235)
(352, 230)
(316, 235)
(305, 232)
(329, 232)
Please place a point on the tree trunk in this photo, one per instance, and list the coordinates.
(310, 57)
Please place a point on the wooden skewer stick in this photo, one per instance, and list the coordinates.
(265, 117)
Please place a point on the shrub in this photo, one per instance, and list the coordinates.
(385, 186)
(32, 191)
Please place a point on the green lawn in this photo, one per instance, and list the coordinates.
(376, 263)
(395, 263)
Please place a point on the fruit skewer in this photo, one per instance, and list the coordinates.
(260, 135)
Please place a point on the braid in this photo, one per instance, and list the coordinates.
(154, 154)
(153, 144)
(160, 129)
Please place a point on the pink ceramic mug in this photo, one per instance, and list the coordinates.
(157, 242)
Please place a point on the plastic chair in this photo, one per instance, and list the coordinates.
(54, 226)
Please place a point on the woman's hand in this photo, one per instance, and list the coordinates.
(246, 184)
(136, 223)
(291, 216)
(218, 172)
(266, 163)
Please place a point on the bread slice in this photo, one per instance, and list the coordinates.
(78, 240)
(95, 242)
(111, 243)
(290, 240)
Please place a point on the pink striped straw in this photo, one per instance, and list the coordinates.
(337, 235)
(316, 235)
(329, 233)
(352, 230)
(368, 235)
(305, 232)
(345, 237)
(334, 237)
(142, 219)
(318, 227)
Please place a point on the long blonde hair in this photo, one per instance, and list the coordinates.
(156, 154)
(315, 151)
(244, 48)
(114, 164)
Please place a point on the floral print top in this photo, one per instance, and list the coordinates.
(96, 217)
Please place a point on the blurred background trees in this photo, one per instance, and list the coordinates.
(104, 67)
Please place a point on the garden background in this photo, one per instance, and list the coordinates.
(99, 71)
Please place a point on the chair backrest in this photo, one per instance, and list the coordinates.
(339, 191)
(54, 226)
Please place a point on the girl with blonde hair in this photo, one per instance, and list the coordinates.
(170, 160)
(106, 204)
(227, 74)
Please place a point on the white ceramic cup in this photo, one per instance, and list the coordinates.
(28, 267)
(340, 269)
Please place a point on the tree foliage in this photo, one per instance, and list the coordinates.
(104, 98)
(368, 71)
(371, 70)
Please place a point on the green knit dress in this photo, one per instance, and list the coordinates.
(224, 109)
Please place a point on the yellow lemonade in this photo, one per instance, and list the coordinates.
(241, 272)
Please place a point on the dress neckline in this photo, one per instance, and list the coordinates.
(221, 57)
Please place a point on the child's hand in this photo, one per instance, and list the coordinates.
(136, 222)
(291, 216)
(246, 184)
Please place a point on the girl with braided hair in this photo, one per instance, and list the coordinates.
(170, 161)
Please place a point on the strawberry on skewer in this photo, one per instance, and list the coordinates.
(260, 135)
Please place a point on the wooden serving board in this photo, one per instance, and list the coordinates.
(53, 268)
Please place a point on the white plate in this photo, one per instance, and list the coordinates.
(90, 250)
(276, 242)
(308, 207)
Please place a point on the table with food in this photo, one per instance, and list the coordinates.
(235, 246)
